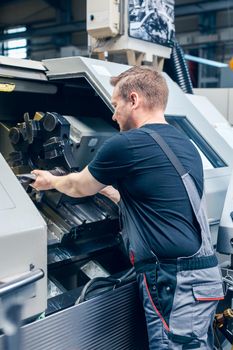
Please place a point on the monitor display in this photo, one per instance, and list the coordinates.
(152, 20)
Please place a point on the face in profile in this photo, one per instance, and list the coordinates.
(123, 111)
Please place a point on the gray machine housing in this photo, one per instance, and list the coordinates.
(23, 235)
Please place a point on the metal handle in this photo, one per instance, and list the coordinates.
(20, 281)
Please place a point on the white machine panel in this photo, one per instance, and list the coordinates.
(23, 238)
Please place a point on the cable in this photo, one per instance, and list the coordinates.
(228, 281)
(219, 346)
(98, 285)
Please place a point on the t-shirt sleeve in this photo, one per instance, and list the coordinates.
(113, 160)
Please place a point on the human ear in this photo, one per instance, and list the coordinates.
(134, 99)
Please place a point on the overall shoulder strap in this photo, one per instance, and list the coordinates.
(191, 190)
(167, 150)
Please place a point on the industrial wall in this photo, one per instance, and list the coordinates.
(58, 28)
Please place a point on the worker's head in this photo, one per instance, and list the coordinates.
(137, 91)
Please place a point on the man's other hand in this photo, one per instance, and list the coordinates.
(111, 193)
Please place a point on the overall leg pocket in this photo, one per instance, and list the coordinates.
(194, 304)
(206, 296)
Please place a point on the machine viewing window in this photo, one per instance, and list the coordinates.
(209, 157)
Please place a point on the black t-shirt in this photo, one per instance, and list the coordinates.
(157, 214)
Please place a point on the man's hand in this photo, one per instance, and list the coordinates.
(44, 180)
(111, 193)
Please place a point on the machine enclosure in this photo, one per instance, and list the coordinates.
(23, 236)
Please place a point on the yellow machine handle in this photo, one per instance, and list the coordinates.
(7, 87)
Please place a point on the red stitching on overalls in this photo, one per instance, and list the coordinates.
(131, 257)
(209, 299)
(156, 310)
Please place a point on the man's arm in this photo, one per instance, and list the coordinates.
(75, 184)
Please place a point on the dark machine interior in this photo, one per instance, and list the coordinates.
(74, 97)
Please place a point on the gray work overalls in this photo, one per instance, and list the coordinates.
(180, 296)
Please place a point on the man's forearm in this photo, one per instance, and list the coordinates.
(75, 185)
(68, 185)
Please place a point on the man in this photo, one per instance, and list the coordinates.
(168, 238)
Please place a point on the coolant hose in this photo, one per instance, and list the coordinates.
(176, 67)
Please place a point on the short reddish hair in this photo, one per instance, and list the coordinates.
(145, 81)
